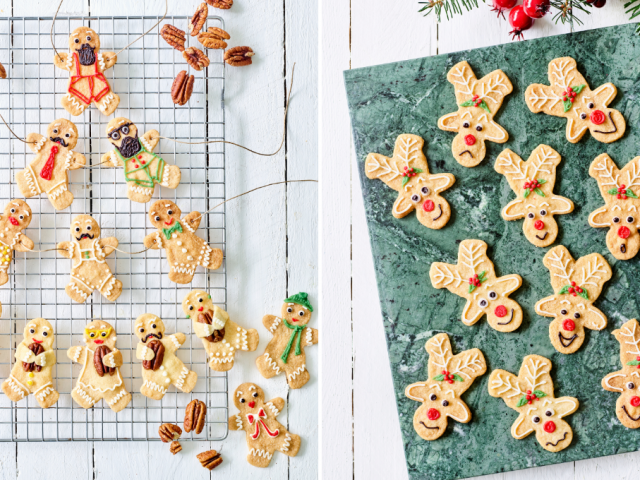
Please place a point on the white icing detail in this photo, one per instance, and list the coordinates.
(273, 408)
(67, 161)
(596, 212)
(115, 399)
(296, 372)
(562, 79)
(466, 84)
(260, 453)
(286, 443)
(85, 396)
(616, 207)
(560, 265)
(515, 426)
(511, 204)
(183, 375)
(467, 362)
(275, 324)
(159, 239)
(442, 119)
(56, 193)
(461, 420)
(154, 386)
(188, 270)
(40, 144)
(16, 386)
(141, 190)
(441, 356)
(32, 182)
(165, 177)
(442, 187)
(608, 377)
(76, 356)
(607, 174)
(69, 63)
(566, 400)
(46, 390)
(502, 136)
(564, 200)
(411, 387)
(108, 288)
(106, 101)
(74, 102)
(538, 100)
(145, 143)
(495, 88)
(612, 90)
(447, 276)
(465, 114)
(570, 128)
(271, 363)
(222, 360)
(590, 273)
(175, 341)
(626, 332)
(309, 336)
(544, 312)
(508, 386)
(238, 421)
(188, 227)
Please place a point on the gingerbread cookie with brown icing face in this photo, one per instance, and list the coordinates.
(100, 377)
(221, 337)
(48, 172)
(160, 365)
(89, 269)
(86, 66)
(33, 371)
(15, 219)
(177, 237)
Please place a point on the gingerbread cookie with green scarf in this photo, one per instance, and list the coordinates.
(291, 333)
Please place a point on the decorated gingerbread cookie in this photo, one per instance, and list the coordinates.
(176, 235)
(626, 382)
(15, 219)
(532, 182)
(291, 334)
(577, 285)
(265, 435)
(143, 169)
(33, 370)
(48, 172)
(86, 66)
(407, 172)
(100, 376)
(570, 97)
(620, 212)
(89, 269)
(478, 102)
(449, 377)
(221, 337)
(475, 280)
(531, 395)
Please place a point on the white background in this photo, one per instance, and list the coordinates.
(271, 238)
(357, 392)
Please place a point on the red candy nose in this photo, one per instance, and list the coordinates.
(597, 117)
(635, 401)
(569, 325)
(470, 140)
(200, 309)
(500, 311)
(428, 206)
(433, 414)
(549, 427)
(252, 404)
(13, 221)
(624, 232)
(99, 342)
(539, 225)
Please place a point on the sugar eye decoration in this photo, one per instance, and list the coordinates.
(32, 330)
(543, 212)
(92, 335)
(530, 215)
(631, 385)
(115, 135)
(630, 219)
(536, 419)
(157, 218)
(13, 210)
(88, 38)
(479, 128)
(88, 227)
(590, 105)
(55, 130)
(466, 125)
(103, 334)
(77, 229)
(77, 40)
(433, 397)
(169, 212)
(301, 313)
(67, 135)
(583, 116)
(125, 130)
(255, 394)
(616, 219)
(425, 190)
(563, 312)
(550, 412)
(153, 325)
(200, 300)
(483, 303)
(445, 403)
(242, 400)
(415, 197)
(44, 334)
(289, 310)
(190, 307)
(141, 330)
(576, 315)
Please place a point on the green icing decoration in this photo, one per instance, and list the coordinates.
(567, 103)
(539, 192)
(482, 277)
(297, 331)
(633, 363)
(439, 378)
(300, 299)
(483, 105)
(628, 192)
(407, 178)
(457, 378)
(523, 400)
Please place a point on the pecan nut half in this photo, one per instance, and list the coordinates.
(37, 349)
(195, 58)
(169, 432)
(214, 38)
(194, 416)
(173, 36)
(99, 365)
(158, 349)
(3, 72)
(198, 19)
(238, 56)
(217, 335)
(210, 459)
(175, 447)
(182, 88)
(221, 4)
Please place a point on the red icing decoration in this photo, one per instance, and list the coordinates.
(624, 232)
(143, 162)
(470, 140)
(635, 401)
(47, 170)
(539, 225)
(549, 427)
(433, 414)
(428, 206)
(140, 157)
(252, 404)
(597, 117)
(569, 325)
(408, 172)
(14, 221)
(500, 311)
(93, 79)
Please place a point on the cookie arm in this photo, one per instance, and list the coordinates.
(144, 353)
(235, 422)
(269, 321)
(109, 244)
(151, 241)
(64, 249)
(278, 403)
(33, 139)
(78, 160)
(111, 159)
(24, 244)
(60, 60)
(46, 359)
(176, 341)
(113, 359)
(150, 139)
(109, 60)
(202, 330)
(74, 353)
(312, 338)
(23, 354)
(193, 219)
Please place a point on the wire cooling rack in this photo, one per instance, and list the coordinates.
(30, 100)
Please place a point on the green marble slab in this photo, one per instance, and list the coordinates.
(408, 97)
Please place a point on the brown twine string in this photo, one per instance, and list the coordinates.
(14, 133)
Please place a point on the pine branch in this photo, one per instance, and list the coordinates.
(566, 9)
(450, 7)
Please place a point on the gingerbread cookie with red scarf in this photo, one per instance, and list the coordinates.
(86, 66)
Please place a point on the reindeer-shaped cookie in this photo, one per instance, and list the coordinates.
(48, 172)
(627, 381)
(478, 102)
(620, 190)
(449, 377)
(570, 97)
(532, 182)
(531, 395)
(265, 435)
(407, 172)
(14, 220)
(577, 284)
(474, 279)
(86, 66)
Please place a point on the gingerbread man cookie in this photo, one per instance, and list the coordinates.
(478, 102)
(532, 182)
(265, 435)
(143, 169)
(531, 395)
(32, 372)
(407, 172)
(221, 337)
(449, 377)
(86, 66)
(620, 212)
(474, 279)
(89, 269)
(291, 333)
(626, 382)
(578, 284)
(100, 376)
(570, 97)
(160, 365)
(48, 172)
(185, 250)
(16, 218)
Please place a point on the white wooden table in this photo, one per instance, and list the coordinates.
(271, 238)
(357, 391)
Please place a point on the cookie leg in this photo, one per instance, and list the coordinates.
(108, 104)
(152, 390)
(14, 390)
(290, 444)
(72, 104)
(171, 176)
(46, 396)
(118, 399)
(4, 275)
(83, 397)
(111, 288)
(267, 366)
(259, 457)
(180, 274)
(211, 257)
(186, 381)
(139, 194)
(220, 363)
(297, 378)
(60, 197)
(77, 290)
(27, 184)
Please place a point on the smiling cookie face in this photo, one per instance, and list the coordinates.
(39, 331)
(296, 314)
(197, 301)
(18, 214)
(64, 132)
(164, 214)
(85, 229)
(148, 327)
(123, 134)
(544, 416)
(248, 397)
(99, 333)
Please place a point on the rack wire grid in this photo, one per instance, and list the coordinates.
(30, 100)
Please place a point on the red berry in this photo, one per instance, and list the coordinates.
(505, 3)
(536, 8)
(520, 21)
(599, 3)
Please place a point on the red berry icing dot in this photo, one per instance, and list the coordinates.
(539, 225)
(428, 206)
(624, 232)
(549, 427)
(500, 311)
(433, 414)
(470, 140)
(635, 401)
(569, 325)
(597, 117)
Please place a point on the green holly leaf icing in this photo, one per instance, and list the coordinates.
(579, 88)
(468, 103)
(483, 105)
(482, 276)
(539, 192)
(567, 103)
(584, 294)
(457, 378)
(564, 290)
(542, 181)
(404, 180)
(471, 288)
(630, 193)
(439, 378)
(521, 402)
(633, 363)
(612, 191)
(526, 192)
(539, 393)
